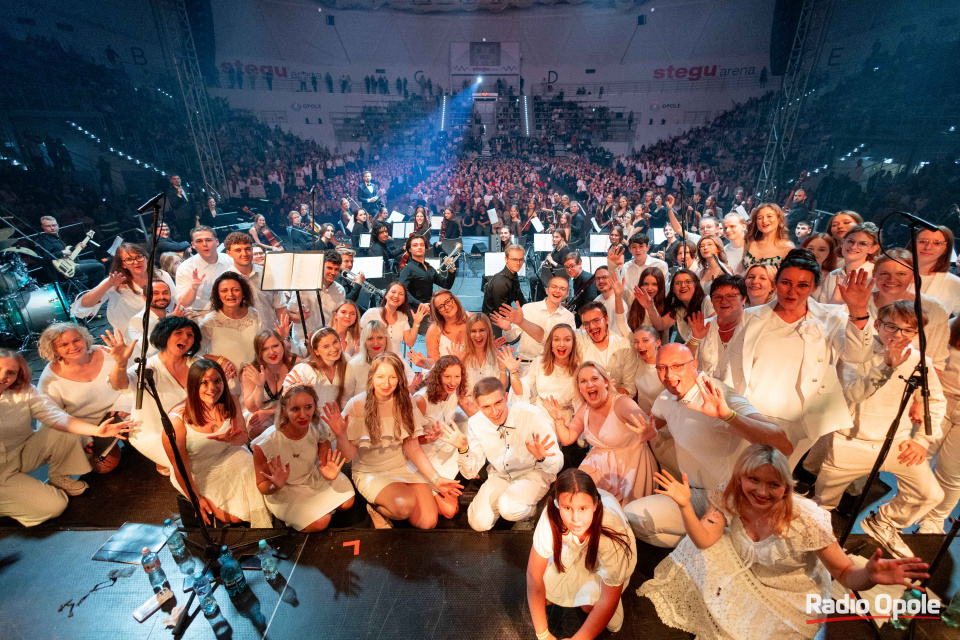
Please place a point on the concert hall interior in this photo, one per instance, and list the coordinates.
(480, 319)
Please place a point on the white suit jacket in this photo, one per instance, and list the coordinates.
(828, 338)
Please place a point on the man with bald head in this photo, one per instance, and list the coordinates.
(710, 425)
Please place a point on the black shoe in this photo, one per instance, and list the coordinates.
(803, 488)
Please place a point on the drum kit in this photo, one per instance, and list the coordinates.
(26, 308)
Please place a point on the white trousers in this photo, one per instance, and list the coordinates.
(511, 499)
(28, 500)
(917, 489)
(947, 469)
(657, 519)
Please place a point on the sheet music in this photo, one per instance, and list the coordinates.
(436, 222)
(371, 267)
(350, 226)
(285, 271)
(364, 240)
(543, 242)
(433, 262)
(743, 212)
(599, 244)
(395, 216)
(658, 236)
(401, 230)
(537, 225)
(492, 214)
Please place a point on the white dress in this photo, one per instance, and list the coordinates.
(537, 387)
(577, 587)
(122, 304)
(87, 401)
(488, 369)
(232, 339)
(148, 437)
(945, 287)
(225, 475)
(327, 391)
(743, 589)
(648, 384)
(307, 496)
(379, 464)
(442, 455)
(395, 331)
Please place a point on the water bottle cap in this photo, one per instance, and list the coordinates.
(146, 550)
(224, 548)
(915, 592)
(167, 522)
(263, 544)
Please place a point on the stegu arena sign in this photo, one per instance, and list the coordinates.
(703, 71)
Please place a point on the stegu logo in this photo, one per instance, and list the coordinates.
(295, 107)
(851, 608)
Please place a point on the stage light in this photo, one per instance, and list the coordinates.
(479, 79)
(888, 161)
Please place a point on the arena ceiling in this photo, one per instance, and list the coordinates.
(439, 6)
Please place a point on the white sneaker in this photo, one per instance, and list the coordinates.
(930, 526)
(616, 622)
(888, 537)
(70, 486)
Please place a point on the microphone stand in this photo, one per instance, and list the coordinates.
(918, 379)
(157, 203)
(313, 218)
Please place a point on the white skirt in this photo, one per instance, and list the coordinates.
(300, 505)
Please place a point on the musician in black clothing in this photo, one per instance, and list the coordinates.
(166, 244)
(180, 206)
(352, 289)
(326, 240)
(88, 272)
(419, 277)
(504, 287)
(208, 216)
(383, 246)
(421, 224)
(581, 284)
(449, 229)
(579, 226)
(295, 238)
(368, 196)
(605, 211)
(361, 225)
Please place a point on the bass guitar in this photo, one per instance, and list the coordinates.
(68, 265)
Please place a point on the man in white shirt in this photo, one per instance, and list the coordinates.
(239, 246)
(158, 311)
(196, 274)
(520, 446)
(614, 353)
(710, 424)
(610, 288)
(533, 321)
(639, 247)
(330, 295)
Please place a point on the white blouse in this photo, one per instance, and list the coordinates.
(232, 339)
(395, 331)
(87, 401)
(18, 409)
(122, 304)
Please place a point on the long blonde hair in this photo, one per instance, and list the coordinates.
(402, 403)
(372, 328)
(353, 331)
(752, 458)
(548, 361)
(470, 356)
(280, 412)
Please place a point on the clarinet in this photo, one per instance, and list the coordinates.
(350, 276)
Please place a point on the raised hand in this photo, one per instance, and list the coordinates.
(448, 488)
(332, 418)
(294, 378)
(277, 472)
(641, 426)
(179, 311)
(643, 298)
(896, 571)
(232, 435)
(229, 369)
(679, 492)
(669, 201)
(896, 352)
(514, 313)
(509, 360)
(417, 359)
(331, 466)
(855, 291)
(554, 409)
(714, 404)
(196, 280)
(538, 448)
(615, 253)
(254, 375)
(116, 278)
(456, 349)
(500, 321)
(500, 342)
(111, 429)
(451, 434)
(422, 311)
(698, 325)
(416, 382)
(617, 283)
(119, 351)
(283, 325)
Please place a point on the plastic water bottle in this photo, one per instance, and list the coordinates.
(268, 562)
(903, 622)
(176, 543)
(951, 615)
(231, 573)
(201, 585)
(151, 564)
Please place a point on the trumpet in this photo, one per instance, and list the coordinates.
(350, 276)
(451, 259)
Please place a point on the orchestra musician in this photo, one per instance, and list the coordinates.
(368, 195)
(89, 272)
(295, 238)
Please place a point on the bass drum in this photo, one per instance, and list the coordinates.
(41, 308)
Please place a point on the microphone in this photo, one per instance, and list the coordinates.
(929, 226)
(312, 189)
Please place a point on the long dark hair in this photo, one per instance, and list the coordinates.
(194, 411)
(403, 309)
(673, 303)
(636, 313)
(576, 481)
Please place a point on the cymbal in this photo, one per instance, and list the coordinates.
(23, 250)
(6, 233)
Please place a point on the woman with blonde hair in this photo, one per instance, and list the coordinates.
(346, 322)
(551, 374)
(479, 355)
(326, 368)
(746, 569)
(401, 321)
(262, 379)
(378, 433)
(859, 247)
(298, 471)
(374, 341)
(768, 239)
(761, 284)
(620, 460)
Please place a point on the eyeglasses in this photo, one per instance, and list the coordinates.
(514, 259)
(860, 245)
(895, 329)
(728, 297)
(683, 283)
(673, 368)
(594, 323)
(931, 243)
(136, 260)
(446, 304)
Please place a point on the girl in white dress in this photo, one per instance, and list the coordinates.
(262, 382)
(345, 322)
(479, 353)
(711, 261)
(229, 329)
(935, 249)
(122, 290)
(22, 449)
(551, 375)
(297, 470)
(394, 312)
(326, 369)
(77, 379)
(445, 389)
(378, 433)
(859, 249)
(210, 433)
(684, 298)
(646, 342)
(583, 556)
(746, 568)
